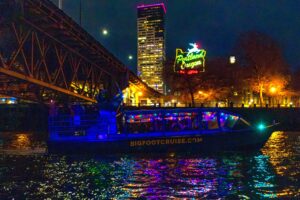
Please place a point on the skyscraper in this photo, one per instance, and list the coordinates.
(151, 44)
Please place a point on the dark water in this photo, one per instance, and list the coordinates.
(274, 172)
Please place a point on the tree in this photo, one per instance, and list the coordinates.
(184, 84)
(224, 78)
(262, 58)
(216, 83)
(295, 81)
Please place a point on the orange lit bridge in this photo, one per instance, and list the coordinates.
(45, 55)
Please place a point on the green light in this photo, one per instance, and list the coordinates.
(261, 127)
(194, 59)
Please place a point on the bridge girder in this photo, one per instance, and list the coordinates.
(49, 50)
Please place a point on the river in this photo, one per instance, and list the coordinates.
(27, 172)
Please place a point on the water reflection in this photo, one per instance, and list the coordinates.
(22, 143)
(62, 178)
(263, 177)
(272, 173)
(209, 178)
(282, 151)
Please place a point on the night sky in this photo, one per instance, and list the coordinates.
(215, 24)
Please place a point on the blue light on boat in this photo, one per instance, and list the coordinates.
(261, 126)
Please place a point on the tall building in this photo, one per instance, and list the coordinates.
(151, 44)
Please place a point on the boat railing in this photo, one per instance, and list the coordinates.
(72, 124)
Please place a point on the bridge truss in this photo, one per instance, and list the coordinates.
(45, 55)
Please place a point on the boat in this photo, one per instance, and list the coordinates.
(157, 130)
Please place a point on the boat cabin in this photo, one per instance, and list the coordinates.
(179, 120)
(192, 120)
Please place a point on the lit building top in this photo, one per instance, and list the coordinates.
(153, 5)
(151, 44)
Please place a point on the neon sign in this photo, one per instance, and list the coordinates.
(190, 62)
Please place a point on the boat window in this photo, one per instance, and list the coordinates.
(209, 120)
(241, 124)
(68, 125)
(181, 121)
(228, 120)
(142, 123)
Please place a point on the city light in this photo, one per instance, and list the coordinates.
(204, 94)
(273, 89)
(232, 59)
(104, 32)
(130, 57)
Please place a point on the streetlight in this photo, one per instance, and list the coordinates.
(273, 89)
(130, 57)
(104, 32)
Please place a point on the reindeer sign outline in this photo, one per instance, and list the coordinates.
(191, 62)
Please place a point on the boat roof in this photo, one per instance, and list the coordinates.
(167, 110)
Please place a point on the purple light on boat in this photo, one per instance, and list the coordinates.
(101, 137)
(152, 5)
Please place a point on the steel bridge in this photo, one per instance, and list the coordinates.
(45, 55)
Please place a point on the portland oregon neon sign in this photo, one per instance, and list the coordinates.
(190, 62)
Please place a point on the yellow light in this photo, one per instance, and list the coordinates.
(232, 59)
(273, 89)
(21, 141)
(140, 93)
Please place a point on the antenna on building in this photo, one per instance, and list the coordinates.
(80, 8)
(60, 4)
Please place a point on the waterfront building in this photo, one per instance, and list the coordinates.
(151, 44)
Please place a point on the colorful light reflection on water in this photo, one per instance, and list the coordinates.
(271, 173)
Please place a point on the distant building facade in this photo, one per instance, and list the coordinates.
(151, 44)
